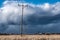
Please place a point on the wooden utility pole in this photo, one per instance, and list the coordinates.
(21, 25)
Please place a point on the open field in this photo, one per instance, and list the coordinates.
(30, 37)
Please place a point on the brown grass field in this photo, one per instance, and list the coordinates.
(30, 37)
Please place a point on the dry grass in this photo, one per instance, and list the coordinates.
(30, 37)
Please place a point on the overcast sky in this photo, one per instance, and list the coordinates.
(38, 16)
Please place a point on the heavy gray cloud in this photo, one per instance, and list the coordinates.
(36, 18)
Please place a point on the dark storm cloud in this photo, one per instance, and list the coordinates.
(35, 20)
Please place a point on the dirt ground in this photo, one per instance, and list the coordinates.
(30, 37)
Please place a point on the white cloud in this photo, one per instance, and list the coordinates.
(56, 8)
(12, 7)
(46, 6)
(13, 11)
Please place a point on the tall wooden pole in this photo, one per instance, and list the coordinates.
(21, 23)
(22, 28)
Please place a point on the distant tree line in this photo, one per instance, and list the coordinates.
(33, 34)
(47, 33)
